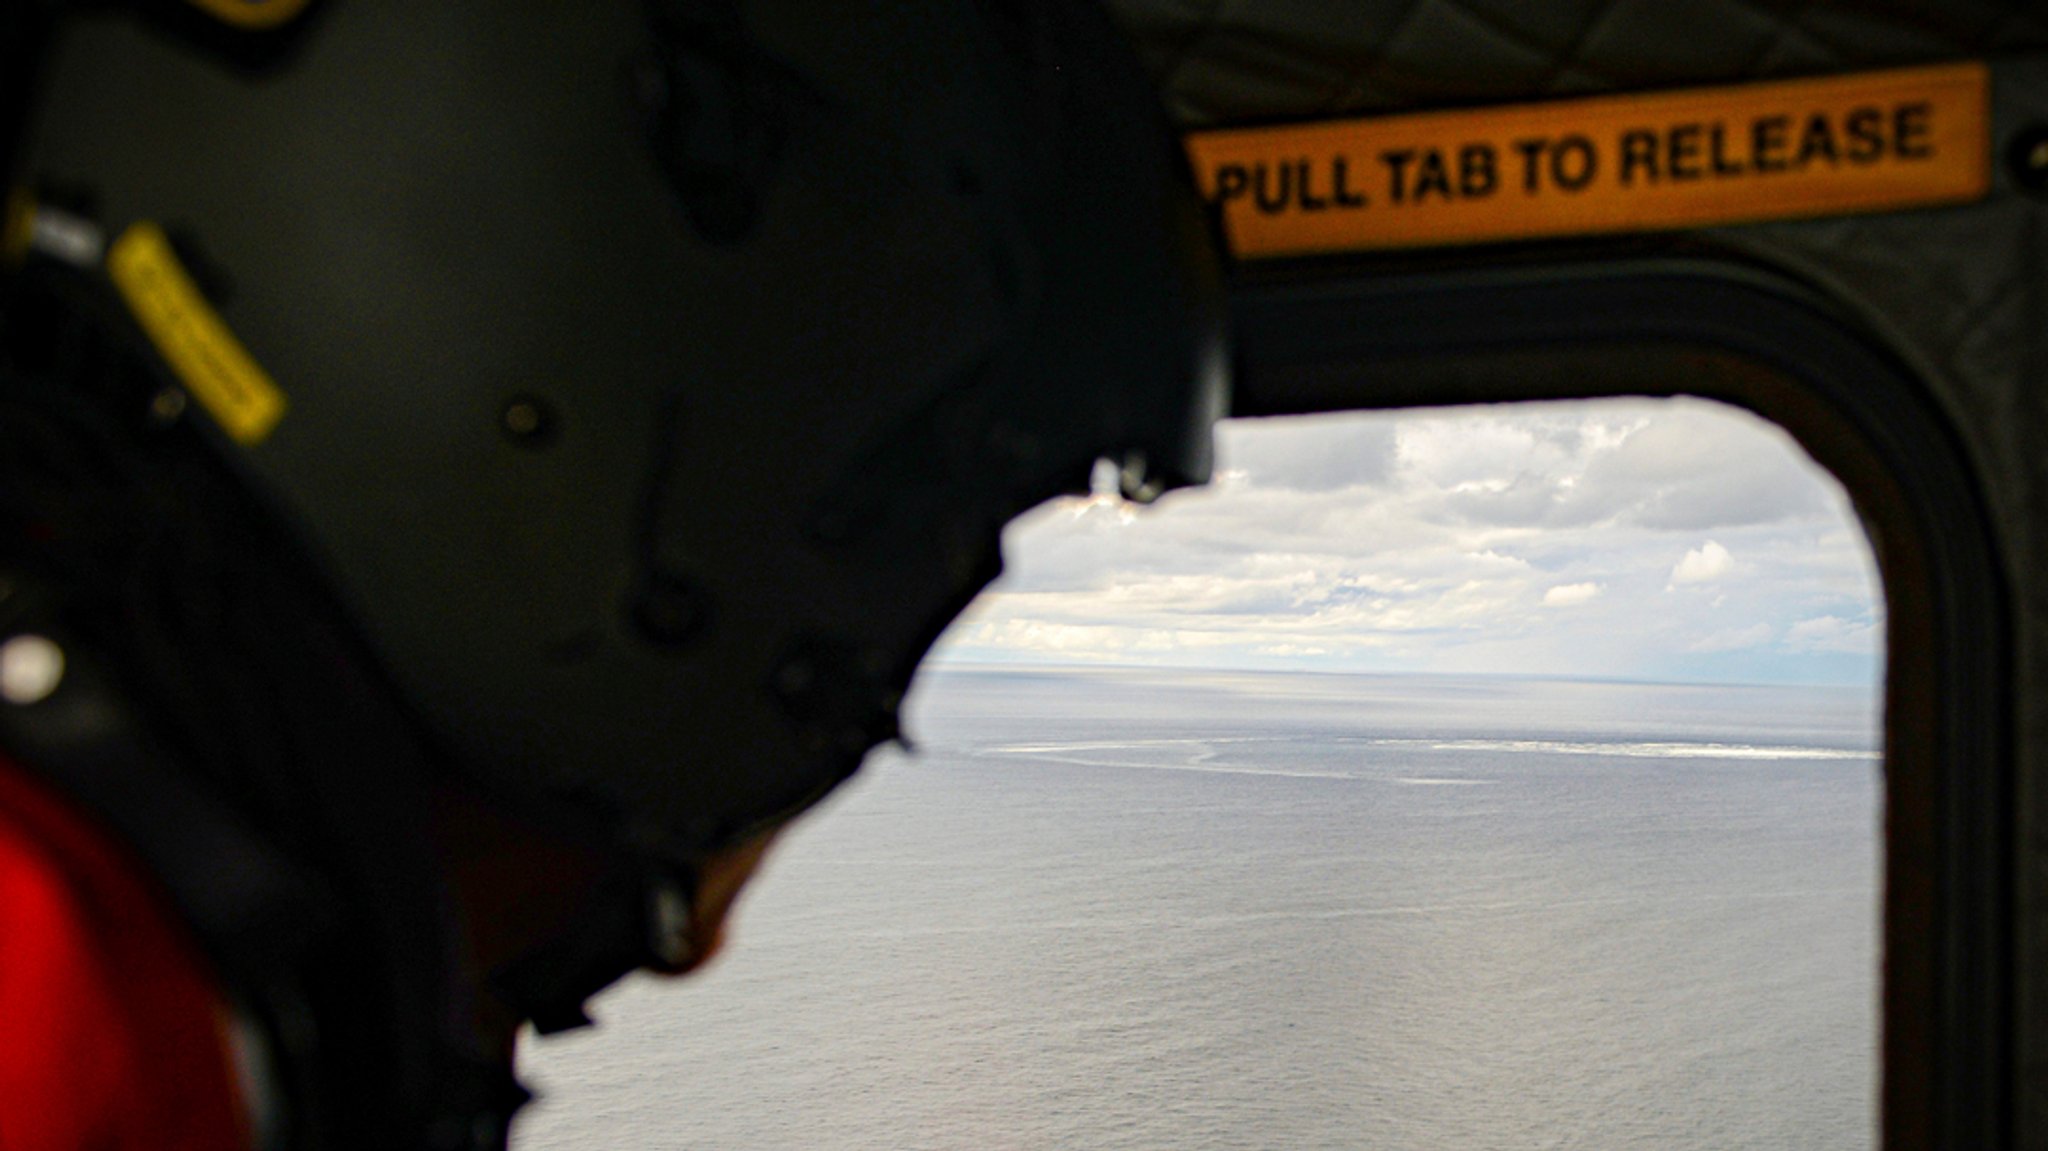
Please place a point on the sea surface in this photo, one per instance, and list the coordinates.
(1112, 909)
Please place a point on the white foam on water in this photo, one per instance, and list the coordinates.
(1200, 758)
(1673, 750)
(1111, 745)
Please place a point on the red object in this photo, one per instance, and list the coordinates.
(112, 1034)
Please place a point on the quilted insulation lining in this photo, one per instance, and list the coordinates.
(1222, 62)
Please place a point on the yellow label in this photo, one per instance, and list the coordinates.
(1868, 142)
(252, 15)
(214, 366)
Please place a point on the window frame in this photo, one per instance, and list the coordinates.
(1318, 337)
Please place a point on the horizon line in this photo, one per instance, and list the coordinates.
(954, 663)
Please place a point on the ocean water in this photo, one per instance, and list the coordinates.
(1144, 909)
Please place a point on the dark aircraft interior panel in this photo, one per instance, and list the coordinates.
(1224, 62)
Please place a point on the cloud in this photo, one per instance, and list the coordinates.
(1668, 465)
(1703, 564)
(1421, 540)
(1703, 468)
(1829, 633)
(1571, 594)
(1321, 456)
(1734, 639)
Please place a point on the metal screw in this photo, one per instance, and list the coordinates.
(1136, 479)
(167, 406)
(527, 421)
(668, 924)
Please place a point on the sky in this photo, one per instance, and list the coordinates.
(1671, 540)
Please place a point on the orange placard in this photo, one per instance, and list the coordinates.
(1867, 142)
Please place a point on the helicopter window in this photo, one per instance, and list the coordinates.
(1465, 778)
